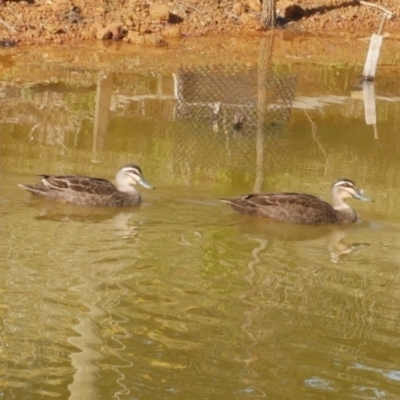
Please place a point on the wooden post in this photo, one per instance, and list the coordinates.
(268, 13)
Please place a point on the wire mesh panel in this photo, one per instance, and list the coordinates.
(229, 114)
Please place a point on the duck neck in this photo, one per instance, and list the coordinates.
(344, 211)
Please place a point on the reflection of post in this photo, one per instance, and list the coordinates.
(368, 95)
(253, 311)
(264, 62)
(369, 105)
(102, 112)
(83, 385)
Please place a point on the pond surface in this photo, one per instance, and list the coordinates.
(181, 298)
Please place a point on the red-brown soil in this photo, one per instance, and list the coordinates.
(156, 22)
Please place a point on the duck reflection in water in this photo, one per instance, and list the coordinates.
(122, 222)
(333, 236)
(337, 248)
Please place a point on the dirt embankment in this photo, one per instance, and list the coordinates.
(154, 22)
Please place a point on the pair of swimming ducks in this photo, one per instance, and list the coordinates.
(290, 207)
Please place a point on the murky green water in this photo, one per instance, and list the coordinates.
(182, 298)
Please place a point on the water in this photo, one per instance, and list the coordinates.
(182, 298)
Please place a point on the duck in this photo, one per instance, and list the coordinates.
(301, 208)
(90, 191)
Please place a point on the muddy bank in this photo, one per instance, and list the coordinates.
(156, 23)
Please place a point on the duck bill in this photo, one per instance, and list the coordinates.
(146, 184)
(360, 196)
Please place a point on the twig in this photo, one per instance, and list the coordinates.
(365, 3)
(8, 26)
(190, 6)
(314, 134)
(231, 15)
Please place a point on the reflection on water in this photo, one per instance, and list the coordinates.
(334, 236)
(180, 297)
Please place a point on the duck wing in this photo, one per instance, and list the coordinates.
(283, 199)
(285, 206)
(79, 184)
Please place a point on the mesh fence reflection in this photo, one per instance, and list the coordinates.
(226, 113)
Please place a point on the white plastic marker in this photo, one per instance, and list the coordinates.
(375, 44)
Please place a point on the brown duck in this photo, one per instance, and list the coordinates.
(85, 190)
(302, 208)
